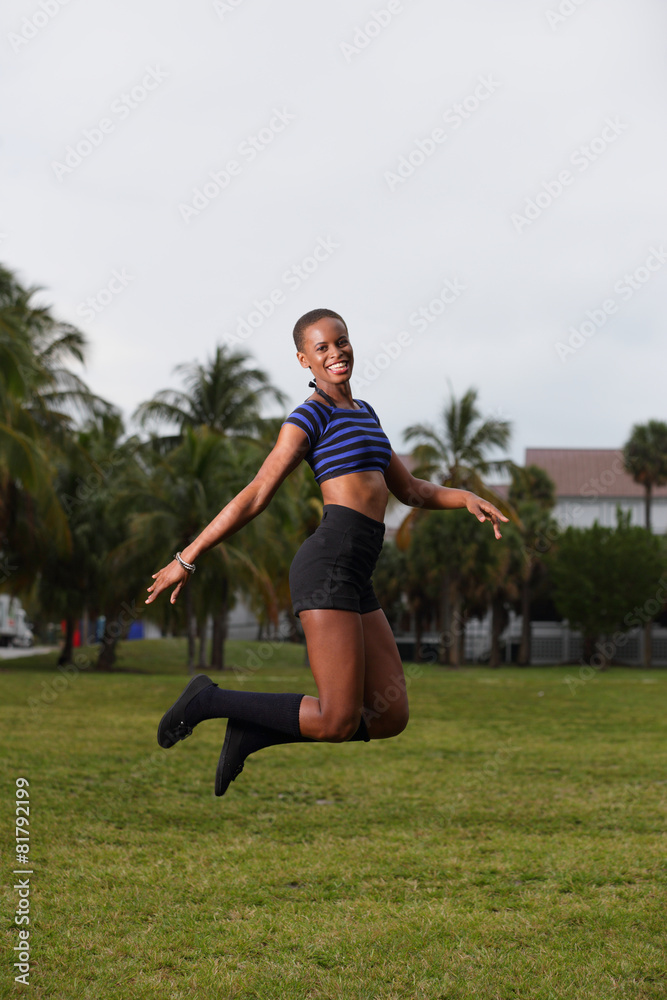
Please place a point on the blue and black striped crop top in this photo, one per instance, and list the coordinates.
(342, 441)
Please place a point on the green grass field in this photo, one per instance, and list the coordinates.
(510, 844)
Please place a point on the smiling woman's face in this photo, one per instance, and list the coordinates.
(327, 351)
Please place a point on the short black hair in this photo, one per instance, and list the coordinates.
(314, 316)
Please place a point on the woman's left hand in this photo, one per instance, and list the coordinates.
(485, 511)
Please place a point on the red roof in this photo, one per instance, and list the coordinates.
(588, 472)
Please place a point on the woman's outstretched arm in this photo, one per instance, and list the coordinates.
(287, 453)
(420, 493)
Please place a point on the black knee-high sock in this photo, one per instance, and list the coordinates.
(276, 711)
(256, 737)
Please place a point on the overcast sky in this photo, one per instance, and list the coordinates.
(477, 186)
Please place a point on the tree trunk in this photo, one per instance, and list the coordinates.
(648, 638)
(191, 630)
(218, 641)
(445, 645)
(203, 631)
(647, 505)
(498, 622)
(589, 648)
(419, 631)
(523, 659)
(85, 626)
(461, 640)
(293, 634)
(648, 644)
(601, 661)
(457, 629)
(107, 657)
(68, 645)
(116, 627)
(220, 629)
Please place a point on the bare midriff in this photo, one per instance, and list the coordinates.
(365, 492)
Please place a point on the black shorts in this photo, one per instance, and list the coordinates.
(333, 567)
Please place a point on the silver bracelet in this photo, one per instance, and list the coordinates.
(190, 567)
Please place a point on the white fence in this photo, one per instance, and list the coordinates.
(551, 643)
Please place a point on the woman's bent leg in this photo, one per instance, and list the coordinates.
(335, 641)
(359, 677)
(357, 668)
(385, 695)
(336, 652)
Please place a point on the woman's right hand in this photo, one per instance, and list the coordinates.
(167, 577)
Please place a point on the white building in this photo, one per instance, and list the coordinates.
(591, 483)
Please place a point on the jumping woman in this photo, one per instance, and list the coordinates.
(351, 648)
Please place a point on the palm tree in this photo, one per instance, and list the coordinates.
(502, 589)
(223, 394)
(462, 545)
(421, 584)
(39, 398)
(457, 455)
(75, 583)
(645, 457)
(457, 452)
(25, 462)
(36, 350)
(533, 494)
(169, 501)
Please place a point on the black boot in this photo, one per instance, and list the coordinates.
(244, 738)
(203, 699)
